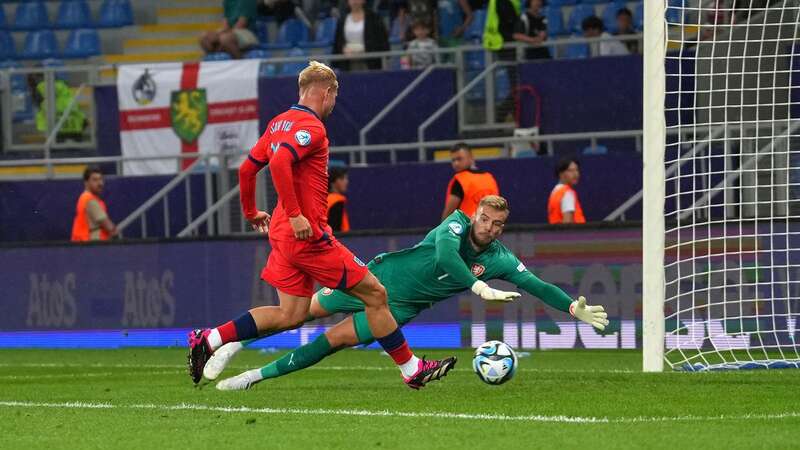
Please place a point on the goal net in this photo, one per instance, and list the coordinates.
(722, 184)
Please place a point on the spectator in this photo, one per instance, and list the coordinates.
(593, 27)
(337, 202)
(91, 216)
(76, 121)
(236, 34)
(422, 11)
(469, 185)
(564, 206)
(401, 22)
(625, 27)
(468, 7)
(533, 25)
(422, 42)
(360, 31)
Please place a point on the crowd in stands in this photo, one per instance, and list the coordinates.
(358, 26)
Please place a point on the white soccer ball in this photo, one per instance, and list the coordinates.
(495, 362)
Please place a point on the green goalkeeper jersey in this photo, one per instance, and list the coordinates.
(445, 264)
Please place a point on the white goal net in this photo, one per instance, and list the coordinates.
(722, 226)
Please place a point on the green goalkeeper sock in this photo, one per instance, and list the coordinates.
(299, 358)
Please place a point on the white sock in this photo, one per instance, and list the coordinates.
(410, 367)
(254, 375)
(214, 340)
(235, 346)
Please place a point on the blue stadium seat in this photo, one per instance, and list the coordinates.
(73, 14)
(579, 12)
(478, 24)
(526, 153)
(2, 18)
(555, 21)
(293, 68)
(578, 51)
(8, 49)
(592, 2)
(325, 33)
(290, 33)
(115, 13)
(674, 12)
(82, 43)
(475, 59)
(610, 15)
(596, 150)
(261, 29)
(217, 56)
(40, 45)
(267, 69)
(560, 3)
(30, 16)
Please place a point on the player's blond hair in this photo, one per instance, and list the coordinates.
(496, 202)
(317, 72)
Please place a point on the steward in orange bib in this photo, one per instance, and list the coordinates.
(337, 202)
(91, 221)
(469, 185)
(563, 205)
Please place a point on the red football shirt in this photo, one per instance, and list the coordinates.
(300, 132)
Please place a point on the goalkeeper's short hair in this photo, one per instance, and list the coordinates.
(496, 202)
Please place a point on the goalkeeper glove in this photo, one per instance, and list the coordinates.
(485, 292)
(593, 315)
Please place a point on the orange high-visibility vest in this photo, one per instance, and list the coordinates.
(80, 226)
(554, 214)
(334, 198)
(476, 185)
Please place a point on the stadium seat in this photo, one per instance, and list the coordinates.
(8, 49)
(596, 150)
(30, 16)
(560, 3)
(267, 69)
(40, 45)
(73, 14)
(261, 29)
(2, 17)
(638, 17)
(293, 68)
(115, 13)
(610, 15)
(555, 21)
(475, 60)
(526, 153)
(478, 24)
(674, 12)
(579, 12)
(290, 33)
(82, 43)
(578, 51)
(592, 2)
(396, 32)
(324, 35)
(217, 56)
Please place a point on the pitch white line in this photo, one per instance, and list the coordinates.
(403, 414)
(82, 375)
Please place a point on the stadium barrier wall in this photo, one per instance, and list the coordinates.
(383, 196)
(151, 293)
(597, 94)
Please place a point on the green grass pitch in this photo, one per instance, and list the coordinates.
(143, 399)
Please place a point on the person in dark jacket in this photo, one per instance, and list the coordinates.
(360, 31)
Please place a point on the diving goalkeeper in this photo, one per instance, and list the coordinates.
(458, 254)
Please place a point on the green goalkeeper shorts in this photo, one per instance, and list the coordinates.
(335, 301)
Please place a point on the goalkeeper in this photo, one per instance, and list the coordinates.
(456, 255)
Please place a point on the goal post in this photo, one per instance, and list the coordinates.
(653, 143)
(721, 181)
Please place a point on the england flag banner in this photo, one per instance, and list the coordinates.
(173, 108)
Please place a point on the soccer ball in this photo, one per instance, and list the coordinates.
(495, 362)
